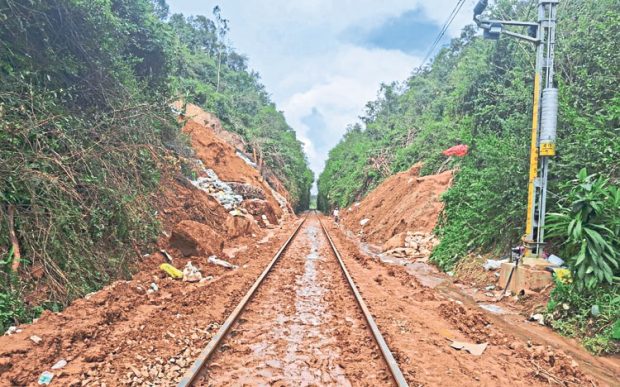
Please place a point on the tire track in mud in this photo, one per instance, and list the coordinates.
(303, 327)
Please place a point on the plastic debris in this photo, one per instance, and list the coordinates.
(172, 271)
(12, 330)
(555, 260)
(364, 222)
(221, 191)
(490, 287)
(36, 339)
(538, 317)
(45, 378)
(492, 264)
(59, 364)
(153, 288)
(220, 262)
(595, 310)
(191, 273)
(474, 349)
(166, 255)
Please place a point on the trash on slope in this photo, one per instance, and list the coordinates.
(153, 288)
(364, 222)
(45, 378)
(191, 273)
(166, 255)
(221, 191)
(172, 271)
(36, 339)
(492, 264)
(474, 349)
(220, 262)
(12, 330)
(538, 317)
(60, 364)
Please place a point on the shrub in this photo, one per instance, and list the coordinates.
(589, 222)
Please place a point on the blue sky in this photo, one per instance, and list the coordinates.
(322, 60)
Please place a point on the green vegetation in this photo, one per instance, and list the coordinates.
(589, 223)
(479, 93)
(593, 316)
(85, 124)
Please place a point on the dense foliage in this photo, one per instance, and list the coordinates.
(85, 121)
(589, 221)
(479, 93)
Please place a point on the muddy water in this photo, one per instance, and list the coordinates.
(303, 327)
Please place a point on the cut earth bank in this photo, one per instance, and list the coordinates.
(149, 329)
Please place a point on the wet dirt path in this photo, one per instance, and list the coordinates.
(303, 327)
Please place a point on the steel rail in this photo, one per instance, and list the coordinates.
(397, 374)
(194, 371)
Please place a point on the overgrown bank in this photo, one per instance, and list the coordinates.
(87, 134)
(479, 93)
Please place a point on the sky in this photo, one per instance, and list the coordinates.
(322, 60)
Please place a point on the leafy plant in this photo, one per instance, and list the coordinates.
(592, 316)
(589, 223)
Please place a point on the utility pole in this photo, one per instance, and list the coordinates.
(542, 34)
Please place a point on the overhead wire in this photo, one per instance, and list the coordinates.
(446, 25)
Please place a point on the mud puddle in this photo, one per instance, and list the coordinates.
(302, 328)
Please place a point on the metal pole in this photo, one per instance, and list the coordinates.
(531, 223)
(549, 119)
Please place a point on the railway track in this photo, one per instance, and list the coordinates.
(200, 365)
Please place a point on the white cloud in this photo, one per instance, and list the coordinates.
(296, 47)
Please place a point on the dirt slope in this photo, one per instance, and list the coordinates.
(403, 202)
(123, 332)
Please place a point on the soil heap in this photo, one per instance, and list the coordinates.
(403, 203)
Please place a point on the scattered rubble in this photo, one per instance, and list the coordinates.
(413, 245)
(221, 191)
(36, 339)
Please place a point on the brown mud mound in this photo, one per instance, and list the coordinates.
(403, 202)
(221, 157)
(148, 330)
(195, 113)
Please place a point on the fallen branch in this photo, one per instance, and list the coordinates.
(14, 243)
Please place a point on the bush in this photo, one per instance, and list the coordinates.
(589, 223)
(593, 316)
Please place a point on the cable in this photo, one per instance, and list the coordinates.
(445, 27)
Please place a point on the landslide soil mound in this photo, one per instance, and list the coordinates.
(403, 202)
(123, 333)
(218, 155)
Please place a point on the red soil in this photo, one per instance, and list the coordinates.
(220, 156)
(403, 202)
(126, 334)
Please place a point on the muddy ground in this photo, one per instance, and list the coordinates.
(302, 327)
